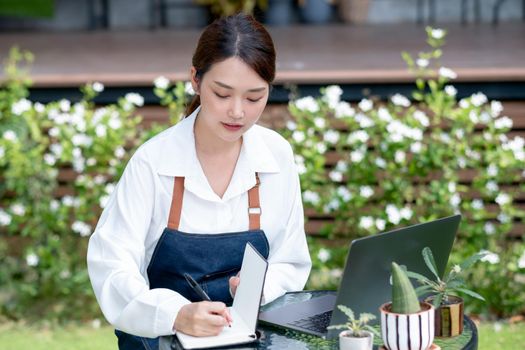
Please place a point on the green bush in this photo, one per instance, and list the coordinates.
(401, 162)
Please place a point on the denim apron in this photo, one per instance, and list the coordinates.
(211, 259)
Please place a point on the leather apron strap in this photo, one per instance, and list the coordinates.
(254, 206)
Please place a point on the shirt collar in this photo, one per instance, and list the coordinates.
(180, 158)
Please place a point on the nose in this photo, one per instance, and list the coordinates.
(236, 109)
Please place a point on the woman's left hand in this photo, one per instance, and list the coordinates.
(234, 283)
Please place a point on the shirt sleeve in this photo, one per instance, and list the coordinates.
(289, 262)
(116, 257)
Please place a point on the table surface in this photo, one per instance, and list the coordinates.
(282, 339)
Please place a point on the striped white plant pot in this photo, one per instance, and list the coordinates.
(407, 331)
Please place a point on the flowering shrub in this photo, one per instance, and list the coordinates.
(383, 164)
(46, 217)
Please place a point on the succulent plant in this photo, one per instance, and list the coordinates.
(404, 298)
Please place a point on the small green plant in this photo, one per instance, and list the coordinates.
(357, 326)
(452, 284)
(404, 298)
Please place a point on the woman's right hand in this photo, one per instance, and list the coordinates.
(205, 318)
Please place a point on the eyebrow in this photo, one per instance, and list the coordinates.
(229, 87)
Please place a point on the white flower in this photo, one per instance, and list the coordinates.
(406, 213)
(308, 104)
(40, 108)
(32, 259)
(103, 201)
(365, 105)
(49, 159)
(447, 73)
(517, 146)
(119, 152)
(161, 82)
(321, 148)
(492, 170)
(311, 197)
(18, 209)
(384, 114)
(98, 87)
(503, 123)
(5, 218)
(323, 255)
(503, 199)
(456, 269)
(357, 155)
(333, 95)
(101, 130)
(298, 136)
(422, 62)
(81, 140)
(400, 156)
(54, 205)
(68, 201)
(492, 186)
(416, 147)
(455, 200)
(400, 100)
(452, 187)
(450, 90)
(490, 257)
(343, 109)
(56, 149)
(445, 137)
(2, 152)
(81, 228)
(91, 161)
(437, 33)
(188, 88)
(477, 204)
(393, 213)
(115, 123)
(134, 98)
(331, 136)
(478, 99)
(503, 218)
(335, 176)
(364, 121)
(109, 188)
(366, 191)
(79, 164)
(344, 193)
(359, 135)
(64, 105)
(341, 165)
(489, 228)
(54, 132)
(496, 108)
(366, 222)
(521, 261)
(10, 135)
(320, 122)
(380, 162)
(464, 103)
(290, 125)
(380, 224)
(21, 106)
(331, 206)
(422, 118)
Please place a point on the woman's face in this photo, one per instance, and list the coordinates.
(233, 97)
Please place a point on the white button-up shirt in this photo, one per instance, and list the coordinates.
(137, 212)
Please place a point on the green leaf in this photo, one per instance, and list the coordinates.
(430, 262)
(471, 293)
(471, 260)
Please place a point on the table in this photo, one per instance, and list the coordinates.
(281, 339)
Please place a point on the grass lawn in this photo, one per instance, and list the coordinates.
(13, 337)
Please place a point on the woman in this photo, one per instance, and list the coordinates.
(217, 181)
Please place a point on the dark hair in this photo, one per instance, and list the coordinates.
(238, 35)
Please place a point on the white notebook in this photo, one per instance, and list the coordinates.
(245, 308)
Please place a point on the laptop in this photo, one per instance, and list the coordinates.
(366, 279)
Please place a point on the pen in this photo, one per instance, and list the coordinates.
(198, 289)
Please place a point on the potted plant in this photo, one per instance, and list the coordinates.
(406, 323)
(443, 293)
(358, 334)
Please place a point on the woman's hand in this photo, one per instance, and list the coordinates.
(205, 318)
(234, 283)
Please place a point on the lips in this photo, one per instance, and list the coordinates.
(232, 127)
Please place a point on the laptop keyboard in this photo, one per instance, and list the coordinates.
(316, 323)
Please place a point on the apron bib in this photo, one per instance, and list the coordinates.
(211, 259)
